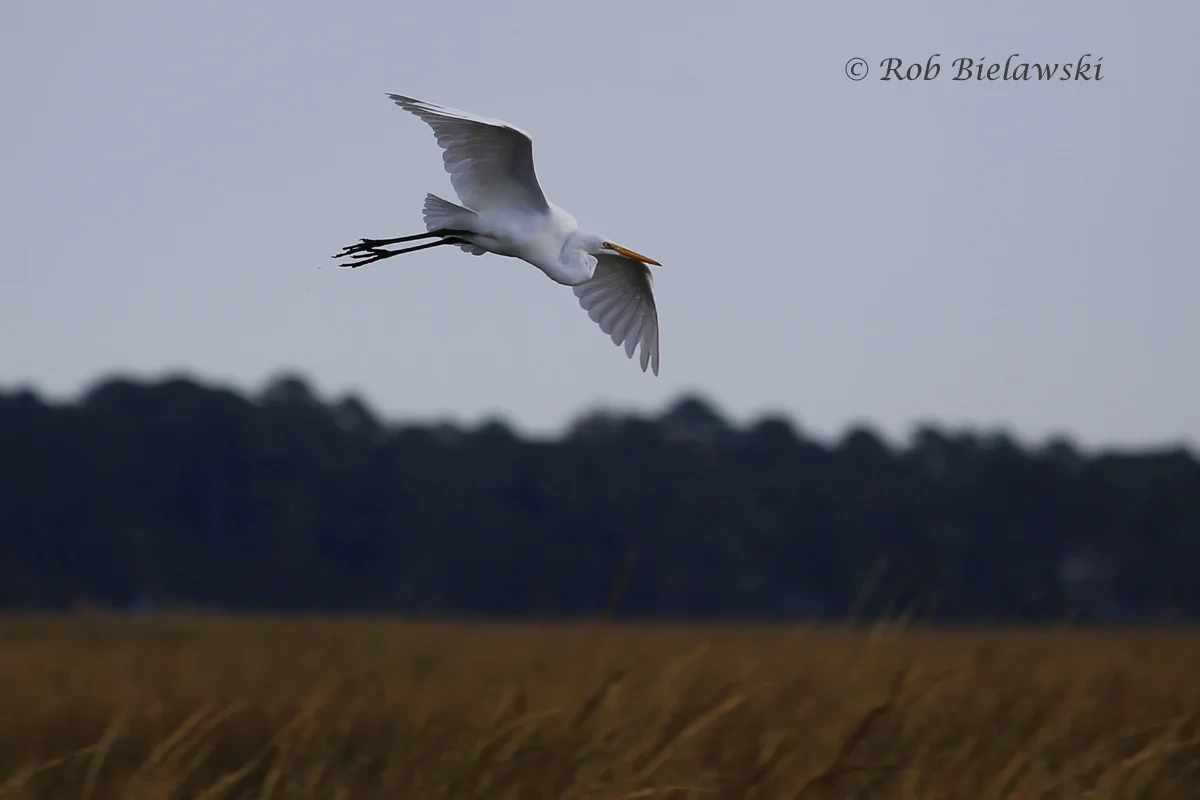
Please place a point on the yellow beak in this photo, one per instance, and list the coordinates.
(625, 251)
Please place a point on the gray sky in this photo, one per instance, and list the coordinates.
(176, 177)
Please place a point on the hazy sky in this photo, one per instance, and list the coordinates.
(176, 177)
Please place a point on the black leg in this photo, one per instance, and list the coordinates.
(369, 255)
(413, 238)
(371, 245)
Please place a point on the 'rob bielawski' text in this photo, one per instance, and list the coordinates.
(1083, 68)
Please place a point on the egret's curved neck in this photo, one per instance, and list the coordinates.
(578, 257)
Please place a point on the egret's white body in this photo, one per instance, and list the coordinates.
(504, 211)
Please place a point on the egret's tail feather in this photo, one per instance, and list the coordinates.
(441, 214)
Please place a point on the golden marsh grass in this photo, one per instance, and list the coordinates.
(322, 708)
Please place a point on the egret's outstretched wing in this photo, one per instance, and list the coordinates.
(490, 162)
(619, 297)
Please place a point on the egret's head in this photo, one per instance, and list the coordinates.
(597, 245)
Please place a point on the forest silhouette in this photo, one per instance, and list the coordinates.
(170, 494)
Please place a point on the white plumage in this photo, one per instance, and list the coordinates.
(504, 211)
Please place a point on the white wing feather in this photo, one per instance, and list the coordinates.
(490, 162)
(619, 297)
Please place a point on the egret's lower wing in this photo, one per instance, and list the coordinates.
(619, 298)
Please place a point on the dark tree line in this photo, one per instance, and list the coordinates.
(176, 494)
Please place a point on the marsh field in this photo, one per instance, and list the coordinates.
(97, 707)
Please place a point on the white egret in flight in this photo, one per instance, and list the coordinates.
(504, 212)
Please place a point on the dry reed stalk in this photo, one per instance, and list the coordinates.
(324, 709)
